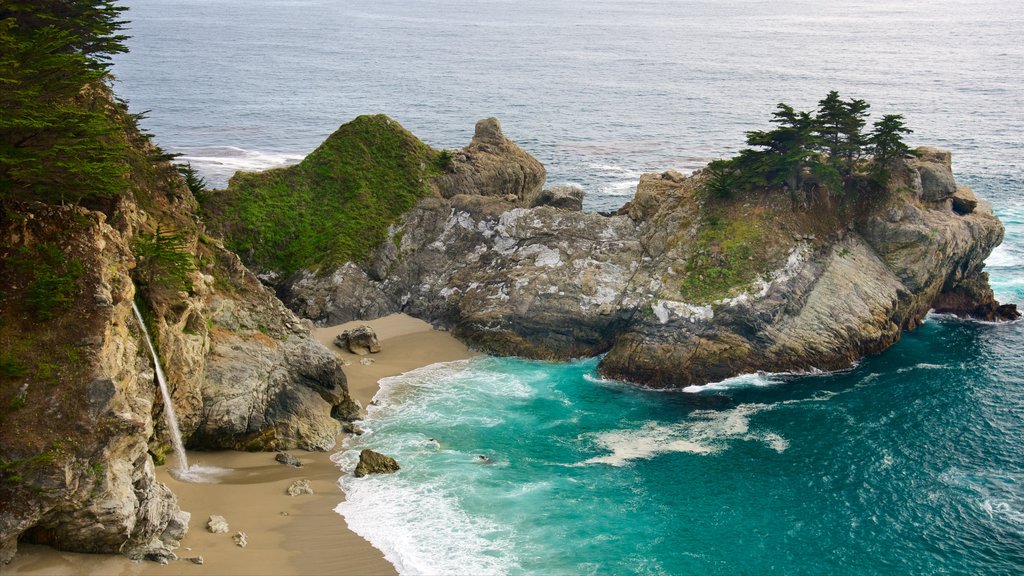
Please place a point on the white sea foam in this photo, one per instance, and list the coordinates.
(997, 508)
(421, 529)
(922, 366)
(758, 380)
(704, 432)
(619, 188)
(202, 474)
(1003, 257)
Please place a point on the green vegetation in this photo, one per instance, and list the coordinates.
(335, 206)
(54, 278)
(164, 259)
(56, 145)
(11, 366)
(827, 147)
(723, 259)
(196, 183)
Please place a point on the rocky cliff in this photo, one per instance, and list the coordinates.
(81, 420)
(677, 288)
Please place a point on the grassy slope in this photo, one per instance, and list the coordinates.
(335, 206)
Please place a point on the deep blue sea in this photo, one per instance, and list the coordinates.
(911, 462)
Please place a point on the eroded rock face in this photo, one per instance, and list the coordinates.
(77, 471)
(556, 284)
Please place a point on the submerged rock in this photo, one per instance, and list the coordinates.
(371, 462)
(241, 539)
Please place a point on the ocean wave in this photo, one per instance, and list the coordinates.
(234, 158)
(704, 432)
(421, 529)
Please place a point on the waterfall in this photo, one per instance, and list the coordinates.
(172, 420)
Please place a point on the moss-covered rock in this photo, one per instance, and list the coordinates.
(334, 206)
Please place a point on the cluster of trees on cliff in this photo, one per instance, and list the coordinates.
(830, 145)
(56, 144)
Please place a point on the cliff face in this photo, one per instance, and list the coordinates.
(75, 471)
(81, 420)
(675, 288)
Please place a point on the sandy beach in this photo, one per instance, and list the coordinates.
(299, 535)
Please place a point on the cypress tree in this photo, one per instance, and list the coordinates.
(55, 145)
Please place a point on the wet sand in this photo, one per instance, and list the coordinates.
(299, 535)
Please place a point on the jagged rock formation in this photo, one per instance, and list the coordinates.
(677, 289)
(493, 165)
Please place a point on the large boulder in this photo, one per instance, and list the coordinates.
(361, 340)
(371, 462)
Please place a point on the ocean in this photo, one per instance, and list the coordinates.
(910, 462)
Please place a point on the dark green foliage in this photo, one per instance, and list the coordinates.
(724, 178)
(54, 276)
(164, 260)
(828, 146)
(54, 147)
(887, 144)
(196, 183)
(10, 366)
(335, 206)
(445, 160)
(839, 125)
(784, 151)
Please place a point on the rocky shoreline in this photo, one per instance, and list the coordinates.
(674, 289)
(838, 279)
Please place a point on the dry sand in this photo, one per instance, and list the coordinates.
(287, 535)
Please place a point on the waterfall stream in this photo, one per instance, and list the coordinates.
(172, 420)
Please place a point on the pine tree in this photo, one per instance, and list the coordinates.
(886, 144)
(785, 151)
(164, 260)
(839, 125)
(196, 183)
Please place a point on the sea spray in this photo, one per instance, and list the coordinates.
(172, 420)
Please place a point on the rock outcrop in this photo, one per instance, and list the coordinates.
(564, 197)
(677, 290)
(493, 165)
(371, 462)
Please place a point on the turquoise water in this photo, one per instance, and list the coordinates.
(909, 463)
